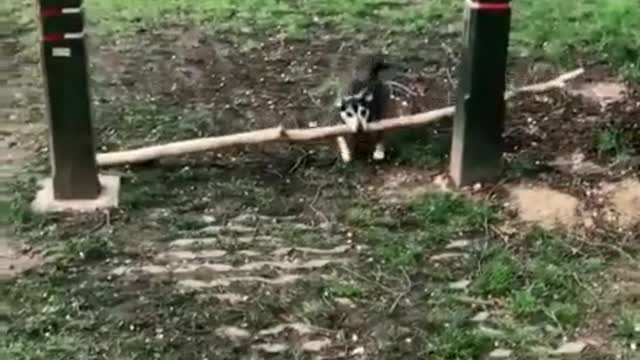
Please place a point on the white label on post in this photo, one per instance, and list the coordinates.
(61, 52)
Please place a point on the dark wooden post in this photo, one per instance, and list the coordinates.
(65, 70)
(476, 151)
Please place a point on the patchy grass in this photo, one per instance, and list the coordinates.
(560, 30)
(500, 274)
(552, 279)
(297, 19)
(542, 283)
(344, 290)
(628, 326)
(549, 29)
(428, 224)
(461, 343)
(538, 287)
(614, 144)
(5, 212)
(421, 149)
(542, 287)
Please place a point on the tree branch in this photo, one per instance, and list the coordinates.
(280, 134)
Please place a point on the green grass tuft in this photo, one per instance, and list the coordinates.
(461, 343)
(500, 274)
(627, 326)
(613, 143)
(452, 212)
(428, 222)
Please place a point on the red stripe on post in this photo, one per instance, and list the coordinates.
(489, 6)
(56, 37)
(50, 12)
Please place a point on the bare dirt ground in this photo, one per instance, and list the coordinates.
(281, 252)
(15, 134)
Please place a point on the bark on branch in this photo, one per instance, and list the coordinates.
(280, 134)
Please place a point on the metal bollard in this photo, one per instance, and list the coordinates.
(476, 151)
(65, 70)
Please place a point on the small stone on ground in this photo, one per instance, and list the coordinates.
(458, 244)
(481, 316)
(500, 354)
(570, 348)
(460, 285)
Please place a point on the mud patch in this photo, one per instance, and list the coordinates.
(544, 206)
(625, 200)
(603, 93)
(13, 263)
(402, 186)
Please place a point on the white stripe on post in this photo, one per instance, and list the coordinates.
(72, 10)
(74, 36)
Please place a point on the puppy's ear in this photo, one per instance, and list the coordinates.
(337, 103)
(360, 95)
(368, 97)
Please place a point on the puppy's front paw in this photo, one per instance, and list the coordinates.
(343, 147)
(379, 152)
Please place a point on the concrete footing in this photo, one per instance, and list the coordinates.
(109, 196)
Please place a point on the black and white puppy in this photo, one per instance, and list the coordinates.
(365, 100)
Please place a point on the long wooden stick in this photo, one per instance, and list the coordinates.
(280, 134)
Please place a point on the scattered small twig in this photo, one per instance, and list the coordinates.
(364, 278)
(451, 85)
(316, 196)
(394, 84)
(408, 278)
(314, 100)
(553, 318)
(504, 237)
(450, 80)
(257, 224)
(409, 287)
(319, 213)
(615, 248)
(448, 50)
(559, 82)
(105, 222)
(298, 163)
(475, 301)
(396, 302)
(583, 285)
(276, 173)
(496, 186)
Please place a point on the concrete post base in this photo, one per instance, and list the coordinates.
(109, 196)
